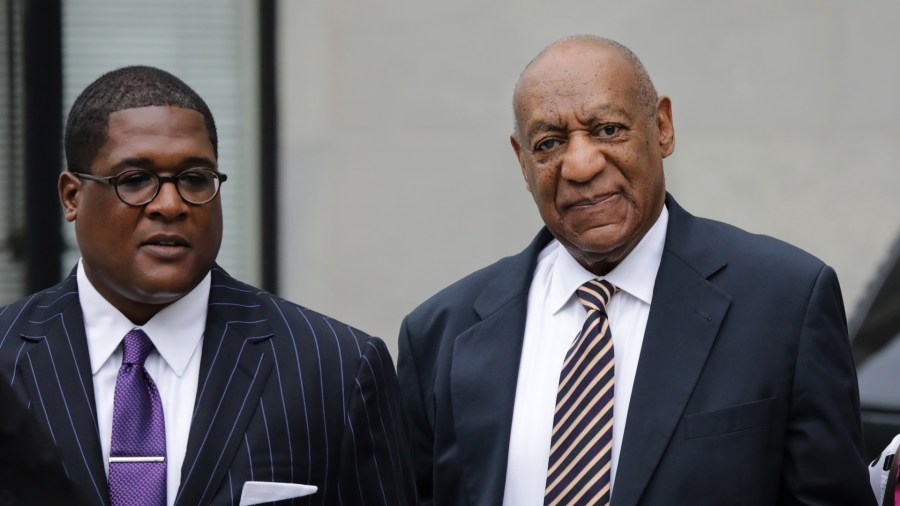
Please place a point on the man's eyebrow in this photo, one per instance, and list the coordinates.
(542, 125)
(597, 114)
(602, 112)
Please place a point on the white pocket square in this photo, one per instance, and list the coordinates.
(880, 470)
(258, 492)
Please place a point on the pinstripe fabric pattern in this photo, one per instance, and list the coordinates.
(581, 450)
(285, 394)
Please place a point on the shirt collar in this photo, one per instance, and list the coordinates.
(635, 274)
(175, 331)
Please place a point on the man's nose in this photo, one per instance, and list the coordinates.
(583, 159)
(168, 201)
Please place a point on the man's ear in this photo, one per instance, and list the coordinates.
(665, 126)
(69, 194)
(521, 156)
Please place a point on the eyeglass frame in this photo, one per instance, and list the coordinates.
(114, 182)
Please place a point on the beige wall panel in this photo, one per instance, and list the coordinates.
(397, 177)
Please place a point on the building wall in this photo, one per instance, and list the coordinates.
(397, 177)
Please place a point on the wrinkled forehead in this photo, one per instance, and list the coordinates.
(575, 76)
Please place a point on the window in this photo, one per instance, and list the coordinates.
(876, 347)
(12, 191)
(212, 46)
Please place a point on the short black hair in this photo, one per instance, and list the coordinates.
(125, 88)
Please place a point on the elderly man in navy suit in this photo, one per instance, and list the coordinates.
(633, 353)
(161, 379)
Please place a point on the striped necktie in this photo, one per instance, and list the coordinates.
(581, 447)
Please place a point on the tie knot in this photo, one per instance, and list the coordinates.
(595, 294)
(136, 347)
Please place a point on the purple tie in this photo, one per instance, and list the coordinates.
(137, 455)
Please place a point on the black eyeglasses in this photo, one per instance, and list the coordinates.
(137, 187)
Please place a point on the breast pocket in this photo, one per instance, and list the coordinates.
(732, 419)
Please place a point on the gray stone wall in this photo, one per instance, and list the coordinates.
(397, 177)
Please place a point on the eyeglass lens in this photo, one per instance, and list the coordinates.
(139, 186)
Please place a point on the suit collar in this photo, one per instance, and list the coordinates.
(55, 370)
(685, 316)
(688, 240)
(514, 279)
(686, 312)
(234, 367)
(175, 330)
(635, 274)
(483, 401)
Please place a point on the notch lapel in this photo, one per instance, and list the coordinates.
(484, 374)
(686, 313)
(55, 370)
(234, 368)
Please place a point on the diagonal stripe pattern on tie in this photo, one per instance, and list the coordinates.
(581, 447)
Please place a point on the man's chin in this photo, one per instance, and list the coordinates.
(163, 291)
(159, 296)
(600, 248)
(600, 239)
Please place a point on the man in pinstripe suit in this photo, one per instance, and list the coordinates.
(252, 387)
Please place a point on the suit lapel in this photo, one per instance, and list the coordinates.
(233, 371)
(685, 316)
(484, 373)
(55, 369)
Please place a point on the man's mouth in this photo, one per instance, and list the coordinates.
(166, 240)
(598, 201)
(166, 246)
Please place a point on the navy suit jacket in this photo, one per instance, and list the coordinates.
(285, 394)
(745, 391)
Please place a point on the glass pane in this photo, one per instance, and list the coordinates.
(879, 377)
(211, 45)
(12, 191)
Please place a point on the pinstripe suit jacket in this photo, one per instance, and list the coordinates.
(285, 394)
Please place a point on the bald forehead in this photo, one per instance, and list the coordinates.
(583, 62)
(568, 58)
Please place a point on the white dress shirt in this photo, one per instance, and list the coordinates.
(555, 316)
(174, 365)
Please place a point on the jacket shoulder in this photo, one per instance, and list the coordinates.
(38, 305)
(707, 245)
(288, 317)
(464, 291)
(758, 251)
(455, 307)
